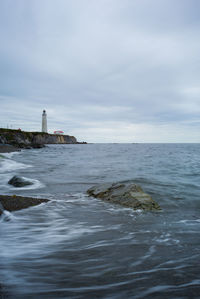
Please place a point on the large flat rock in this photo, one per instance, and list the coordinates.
(14, 203)
(126, 194)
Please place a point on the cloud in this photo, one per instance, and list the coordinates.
(119, 68)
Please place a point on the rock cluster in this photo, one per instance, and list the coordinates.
(126, 194)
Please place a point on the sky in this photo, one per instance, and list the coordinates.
(104, 70)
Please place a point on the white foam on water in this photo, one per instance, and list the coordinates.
(190, 222)
(166, 238)
(6, 216)
(80, 196)
(10, 155)
(36, 185)
(8, 165)
(7, 171)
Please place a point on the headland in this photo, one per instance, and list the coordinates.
(11, 140)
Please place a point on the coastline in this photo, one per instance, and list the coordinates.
(24, 139)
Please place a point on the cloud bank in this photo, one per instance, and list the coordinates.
(105, 71)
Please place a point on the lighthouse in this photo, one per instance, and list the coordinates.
(44, 122)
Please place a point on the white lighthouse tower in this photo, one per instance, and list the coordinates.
(44, 122)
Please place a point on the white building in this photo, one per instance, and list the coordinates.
(44, 122)
(58, 132)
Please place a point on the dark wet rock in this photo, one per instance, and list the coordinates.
(1, 211)
(36, 145)
(16, 181)
(7, 148)
(126, 194)
(14, 203)
(3, 293)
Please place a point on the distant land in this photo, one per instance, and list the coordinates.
(23, 139)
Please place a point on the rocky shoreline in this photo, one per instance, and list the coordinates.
(22, 139)
(127, 194)
(15, 140)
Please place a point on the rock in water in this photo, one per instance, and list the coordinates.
(1, 211)
(16, 181)
(126, 194)
(15, 203)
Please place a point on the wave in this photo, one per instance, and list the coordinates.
(10, 155)
(36, 184)
(6, 216)
(8, 165)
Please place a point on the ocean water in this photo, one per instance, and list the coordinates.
(80, 247)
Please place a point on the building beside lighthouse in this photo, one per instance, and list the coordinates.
(44, 122)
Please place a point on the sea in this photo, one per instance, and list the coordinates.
(76, 246)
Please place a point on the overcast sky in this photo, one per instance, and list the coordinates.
(104, 70)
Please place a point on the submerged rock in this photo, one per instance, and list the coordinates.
(126, 194)
(14, 203)
(3, 292)
(16, 181)
(1, 211)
